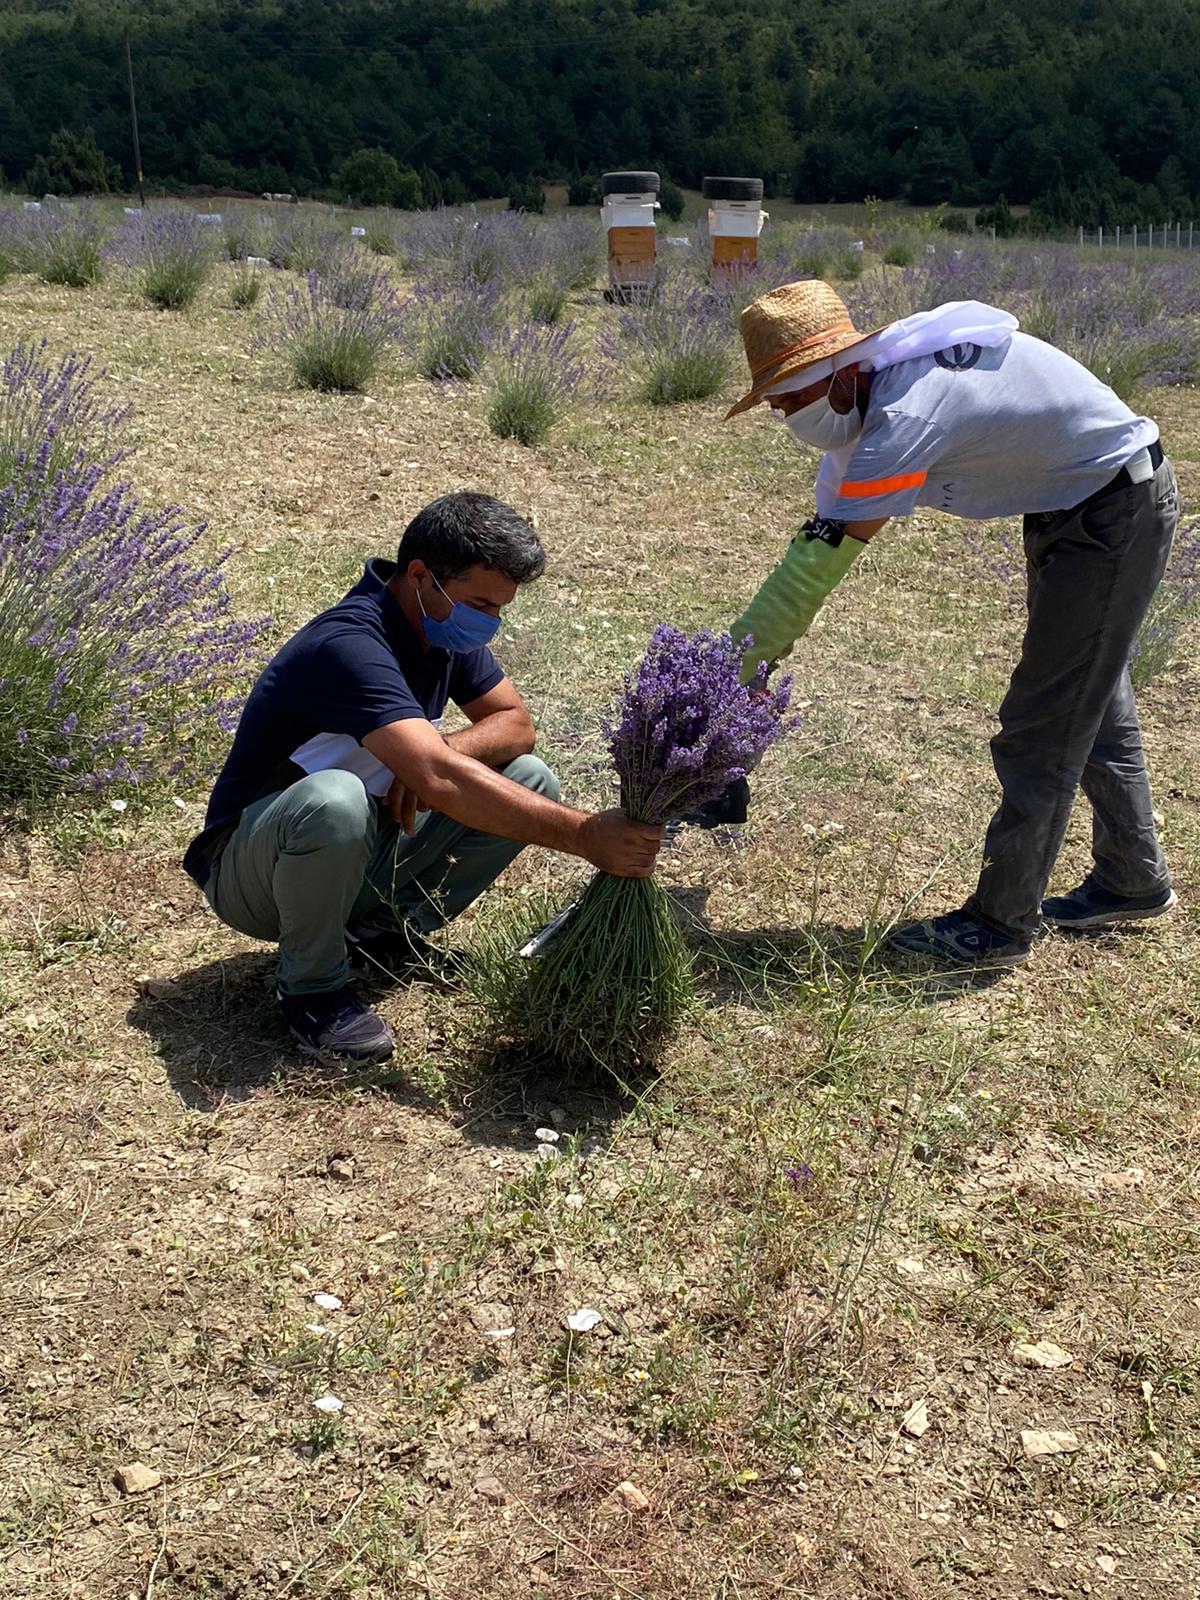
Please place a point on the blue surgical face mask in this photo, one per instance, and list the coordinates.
(463, 630)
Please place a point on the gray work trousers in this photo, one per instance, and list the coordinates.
(1068, 719)
(312, 860)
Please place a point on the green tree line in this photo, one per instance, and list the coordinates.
(1090, 107)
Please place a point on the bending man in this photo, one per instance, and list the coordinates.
(956, 410)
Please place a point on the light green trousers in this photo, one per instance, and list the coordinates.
(316, 858)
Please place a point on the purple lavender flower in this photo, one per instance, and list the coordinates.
(533, 372)
(52, 415)
(681, 338)
(305, 241)
(62, 243)
(334, 332)
(449, 326)
(170, 252)
(118, 648)
(686, 726)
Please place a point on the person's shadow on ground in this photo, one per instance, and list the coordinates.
(762, 965)
(218, 1032)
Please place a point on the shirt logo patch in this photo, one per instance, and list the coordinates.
(959, 357)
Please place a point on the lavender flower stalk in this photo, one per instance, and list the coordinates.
(612, 986)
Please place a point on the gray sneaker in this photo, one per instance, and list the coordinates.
(337, 1026)
(1089, 906)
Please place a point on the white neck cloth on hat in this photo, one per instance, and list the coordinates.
(924, 333)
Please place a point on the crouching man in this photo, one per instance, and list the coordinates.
(344, 825)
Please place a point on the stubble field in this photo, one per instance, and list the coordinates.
(817, 1241)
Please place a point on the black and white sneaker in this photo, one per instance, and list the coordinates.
(1089, 907)
(337, 1026)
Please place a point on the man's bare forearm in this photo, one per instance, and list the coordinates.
(495, 740)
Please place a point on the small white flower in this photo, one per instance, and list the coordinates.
(546, 1135)
(573, 1202)
(315, 1327)
(327, 1302)
(119, 805)
(546, 1152)
(329, 1403)
(584, 1320)
(176, 801)
(498, 1333)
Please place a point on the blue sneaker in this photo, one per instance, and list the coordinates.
(1090, 906)
(960, 939)
(337, 1026)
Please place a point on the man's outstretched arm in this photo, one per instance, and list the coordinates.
(474, 794)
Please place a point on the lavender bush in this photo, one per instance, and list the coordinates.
(328, 345)
(533, 373)
(119, 652)
(246, 288)
(996, 557)
(62, 244)
(170, 253)
(681, 338)
(305, 241)
(609, 990)
(449, 326)
(1176, 604)
(52, 418)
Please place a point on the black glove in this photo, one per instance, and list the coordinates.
(728, 810)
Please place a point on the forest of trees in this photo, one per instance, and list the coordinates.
(1091, 108)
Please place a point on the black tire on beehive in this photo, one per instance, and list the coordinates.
(732, 189)
(629, 183)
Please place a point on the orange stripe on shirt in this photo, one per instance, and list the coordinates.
(874, 486)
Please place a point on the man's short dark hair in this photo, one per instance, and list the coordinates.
(472, 530)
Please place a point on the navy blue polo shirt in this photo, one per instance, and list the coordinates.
(355, 668)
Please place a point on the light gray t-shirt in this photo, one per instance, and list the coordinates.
(1020, 427)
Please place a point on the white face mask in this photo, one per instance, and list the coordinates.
(821, 425)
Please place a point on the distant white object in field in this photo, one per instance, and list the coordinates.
(257, 261)
(33, 205)
(133, 211)
(857, 246)
(358, 233)
(931, 249)
(327, 1302)
(208, 216)
(679, 241)
(328, 1403)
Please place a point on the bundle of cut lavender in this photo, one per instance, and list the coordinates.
(612, 985)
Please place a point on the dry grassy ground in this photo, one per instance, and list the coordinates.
(808, 1379)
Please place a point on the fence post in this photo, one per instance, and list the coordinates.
(1100, 237)
(1080, 239)
(1135, 236)
(1191, 225)
(1178, 231)
(993, 233)
(1118, 235)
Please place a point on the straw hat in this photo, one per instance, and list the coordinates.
(790, 329)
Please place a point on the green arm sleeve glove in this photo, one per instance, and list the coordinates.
(785, 605)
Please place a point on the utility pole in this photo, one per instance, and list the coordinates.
(137, 148)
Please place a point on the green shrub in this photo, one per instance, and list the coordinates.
(545, 300)
(899, 255)
(246, 287)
